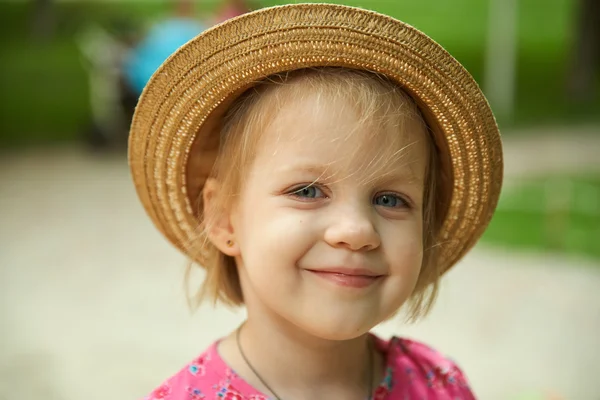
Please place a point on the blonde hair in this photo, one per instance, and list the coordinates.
(378, 101)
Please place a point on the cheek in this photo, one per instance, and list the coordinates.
(263, 228)
(405, 260)
(405, 251)
(272, 242)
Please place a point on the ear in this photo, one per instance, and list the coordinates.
(218, 220)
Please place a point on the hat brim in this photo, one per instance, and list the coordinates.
(180, 108)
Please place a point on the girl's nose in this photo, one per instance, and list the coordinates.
(353, 229)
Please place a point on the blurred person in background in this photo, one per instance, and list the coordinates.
(231, 9)
(159, 43)
(120, 66)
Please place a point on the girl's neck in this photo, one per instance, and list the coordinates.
(297, 365)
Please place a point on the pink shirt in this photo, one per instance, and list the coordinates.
(414, 371)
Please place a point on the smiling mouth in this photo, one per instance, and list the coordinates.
(352, 279)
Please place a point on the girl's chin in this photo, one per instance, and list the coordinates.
(330, 330)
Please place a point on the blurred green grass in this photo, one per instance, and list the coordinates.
(554, 213)
(44, 90)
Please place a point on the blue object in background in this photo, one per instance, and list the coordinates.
(160, 42)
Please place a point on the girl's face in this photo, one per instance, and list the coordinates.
(329, 232)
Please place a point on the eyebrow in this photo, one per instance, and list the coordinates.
(310, 168)
(304, 167)
(407, 177)
(404, 173)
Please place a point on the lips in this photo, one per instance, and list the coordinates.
(353, 278)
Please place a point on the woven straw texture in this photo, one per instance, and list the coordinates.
(178, 112)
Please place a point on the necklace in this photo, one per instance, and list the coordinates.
(370, 365)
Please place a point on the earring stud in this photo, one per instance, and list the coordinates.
(229, 243)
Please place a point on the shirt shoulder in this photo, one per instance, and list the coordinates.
(193, 382)
(207, 377)
(423, 372)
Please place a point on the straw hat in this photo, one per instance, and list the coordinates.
(174, 139)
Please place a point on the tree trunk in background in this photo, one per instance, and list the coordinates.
(43, 19)
(501, 57)
(585, 57)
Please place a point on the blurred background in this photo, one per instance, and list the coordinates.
(92, 304)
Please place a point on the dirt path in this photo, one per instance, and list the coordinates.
(552, 150)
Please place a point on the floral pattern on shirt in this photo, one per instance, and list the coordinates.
(414, 371)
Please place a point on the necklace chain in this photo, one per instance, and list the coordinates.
(370, 365)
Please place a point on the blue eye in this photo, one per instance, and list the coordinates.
(389, 200)
(308, 192)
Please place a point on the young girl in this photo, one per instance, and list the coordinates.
(325, 165)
